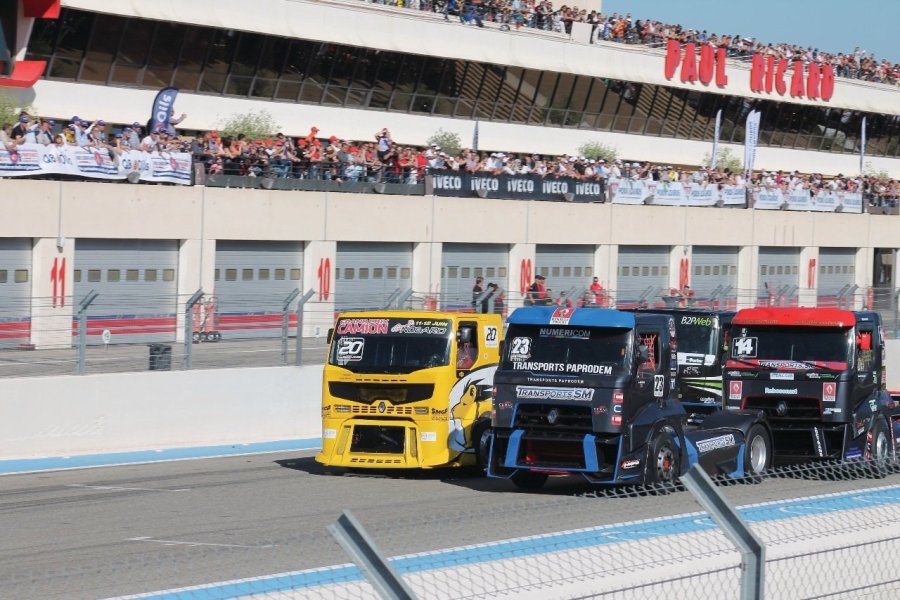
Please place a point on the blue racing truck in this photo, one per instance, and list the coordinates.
(595, 392)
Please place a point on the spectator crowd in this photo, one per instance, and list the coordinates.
(543, 15)
(383, 159)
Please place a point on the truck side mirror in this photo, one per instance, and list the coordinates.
(330, 334)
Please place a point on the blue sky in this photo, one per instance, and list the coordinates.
(830, 25)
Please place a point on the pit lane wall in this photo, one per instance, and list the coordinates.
(125, 412)
(44, 417)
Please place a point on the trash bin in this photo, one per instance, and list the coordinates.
(160, 357)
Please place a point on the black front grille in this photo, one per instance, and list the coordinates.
(377, 439)
(794, 408)
(568, 418)
(402, 393)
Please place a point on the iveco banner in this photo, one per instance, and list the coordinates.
(517, 187)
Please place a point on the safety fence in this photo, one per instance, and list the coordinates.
(99, 333)
(823, 530)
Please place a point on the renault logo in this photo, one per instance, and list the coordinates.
(552, 416)
(381, 407)
(781, 408)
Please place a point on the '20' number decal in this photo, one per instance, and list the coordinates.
(491, 337)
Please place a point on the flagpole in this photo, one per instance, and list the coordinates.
(715, 148)
(862, 146)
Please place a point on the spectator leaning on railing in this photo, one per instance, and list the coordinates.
(542, 15)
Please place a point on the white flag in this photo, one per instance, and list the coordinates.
(715, 152)
(862, 146)
(751, 138)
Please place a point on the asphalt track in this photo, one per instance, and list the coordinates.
(109, 531)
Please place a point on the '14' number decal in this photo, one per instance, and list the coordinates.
(744, 346)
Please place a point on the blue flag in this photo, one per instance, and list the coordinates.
(162, 109)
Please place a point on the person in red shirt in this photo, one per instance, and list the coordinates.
(465, 353)
(563, 301)
(598, 292)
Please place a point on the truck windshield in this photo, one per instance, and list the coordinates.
(390, 345)
(566, 350)
(695, 335)
(827, 347)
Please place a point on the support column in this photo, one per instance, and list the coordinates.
(748, 276)
(521, 272)
(196, 269)
(51, 292)
(612, 273)
(809, 276)
(601, 267)
(319, 260)
(864, 277)
(426, 272)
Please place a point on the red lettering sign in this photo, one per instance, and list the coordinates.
(58, 278)
(812, 81)
(524, 275)
(797, 90)
(827, 82)
(712, 63)
(324, 275)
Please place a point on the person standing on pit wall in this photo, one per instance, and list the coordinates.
(564, 301)
(537, 294)
(598, 292)
(477, 290)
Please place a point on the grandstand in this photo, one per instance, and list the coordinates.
(351, 69)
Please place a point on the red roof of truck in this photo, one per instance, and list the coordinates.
(798, 317)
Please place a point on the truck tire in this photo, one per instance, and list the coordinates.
(529, 480)
(880, 454)
(757, 453)
(481, 436)
(665, 462)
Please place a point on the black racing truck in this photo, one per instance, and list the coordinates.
(818, 375)
(595, 392)
(702, 347)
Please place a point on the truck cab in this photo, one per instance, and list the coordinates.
(408, 389)
(818, 374)
(702, 347)
(594, 392)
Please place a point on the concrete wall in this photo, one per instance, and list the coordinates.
(71, 416)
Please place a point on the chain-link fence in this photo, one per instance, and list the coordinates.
(44, 336)
(828, 530)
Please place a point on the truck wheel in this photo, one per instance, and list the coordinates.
(529, 480)
(880, 450)
(665, 463)
(481, 438)
(195, 337)
(757, 453)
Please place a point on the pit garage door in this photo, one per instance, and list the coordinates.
(15, 291)
(837, 270)
(252, 281)
(779, 272)
(368, 273)
(714, 268)
(462, 263)
(567, 267)
(137, 285)
(643, 272)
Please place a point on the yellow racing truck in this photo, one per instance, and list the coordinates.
(409, 389)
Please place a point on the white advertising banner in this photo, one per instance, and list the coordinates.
(91, 163)
(625, 191)
(800, 199)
